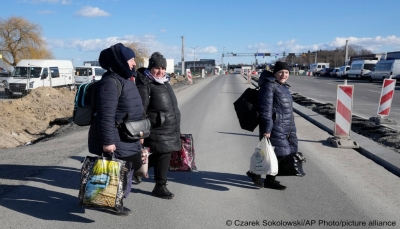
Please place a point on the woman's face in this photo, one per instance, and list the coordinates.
(282, 76)
(157, 72)
(131, 63)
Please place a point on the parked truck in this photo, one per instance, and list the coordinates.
(33, 73)
(317, 67)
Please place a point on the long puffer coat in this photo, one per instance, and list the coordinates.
(111, 108)
(276, 115)
(161, 106)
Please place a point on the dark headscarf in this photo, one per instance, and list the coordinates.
(115, 59)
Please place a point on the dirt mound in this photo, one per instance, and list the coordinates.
(28, 118)
(39, 114)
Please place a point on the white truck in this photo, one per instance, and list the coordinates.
(33, 73)
(316, 67)
(359, 68)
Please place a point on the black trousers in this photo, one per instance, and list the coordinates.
(160, 163)
(135, 161)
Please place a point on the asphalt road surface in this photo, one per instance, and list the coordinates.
(341, 189)
(365, 98)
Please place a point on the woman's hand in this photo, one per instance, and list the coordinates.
(109, 148)
(267, 135)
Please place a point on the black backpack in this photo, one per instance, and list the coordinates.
(85, 102)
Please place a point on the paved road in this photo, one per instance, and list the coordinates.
(365, 100)
(341, 185)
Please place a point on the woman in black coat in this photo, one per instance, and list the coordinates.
(161, 106)
(111, 106)
(276, 118)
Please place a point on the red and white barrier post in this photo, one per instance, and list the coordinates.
(343, 118)
(189, 76)
(385, 102)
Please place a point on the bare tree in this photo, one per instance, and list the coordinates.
(141, 53)
(20, 39)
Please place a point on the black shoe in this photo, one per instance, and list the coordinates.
(137, 179)
(255, 178)
(162, 192)
(122, 212)
(271, 183)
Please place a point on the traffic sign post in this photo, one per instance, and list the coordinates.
(343, 118)
(189, 76)
(385, 102)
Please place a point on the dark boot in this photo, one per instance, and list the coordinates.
(160, 190)
(271, 183)
(137, 179)
(255, 178)
(123, 211)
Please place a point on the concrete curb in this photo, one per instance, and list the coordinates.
(381, 155)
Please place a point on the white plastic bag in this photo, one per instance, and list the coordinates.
(264, 161)
(143, 171)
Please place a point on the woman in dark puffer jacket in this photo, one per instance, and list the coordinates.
(276, 118)
(161, 106)
(119, 61)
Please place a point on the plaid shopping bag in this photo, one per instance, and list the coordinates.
(184, 159)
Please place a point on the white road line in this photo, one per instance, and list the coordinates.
(375, 91)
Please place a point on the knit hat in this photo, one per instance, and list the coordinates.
(128, 53)
(157, 60)
(279, 65)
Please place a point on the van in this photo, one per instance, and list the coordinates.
(237, 70)
(385, 68)
(343, 71)
(29, 74)
(317, 67)
(359, 68)
(87, 74)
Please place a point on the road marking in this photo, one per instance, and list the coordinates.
(375, 91)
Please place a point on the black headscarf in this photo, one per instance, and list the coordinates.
(115, 59)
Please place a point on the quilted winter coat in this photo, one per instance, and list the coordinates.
(161, 106)
(276, 114)
(111, 108)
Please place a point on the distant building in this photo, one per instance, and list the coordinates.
(197, 66)
(91, 63)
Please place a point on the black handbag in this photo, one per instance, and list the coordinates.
(292, 165)
(134, 130)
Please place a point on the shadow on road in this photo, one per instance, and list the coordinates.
(43, 203)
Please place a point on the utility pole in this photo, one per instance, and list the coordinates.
(316, 52)
(222, 59)
(194, 59)
(183, 70)
(345, 58)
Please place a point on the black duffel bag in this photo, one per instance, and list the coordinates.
(292, 165)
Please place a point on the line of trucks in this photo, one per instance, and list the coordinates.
(29, 74)
(381, 67)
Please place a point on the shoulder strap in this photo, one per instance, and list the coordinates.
(118, 84)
